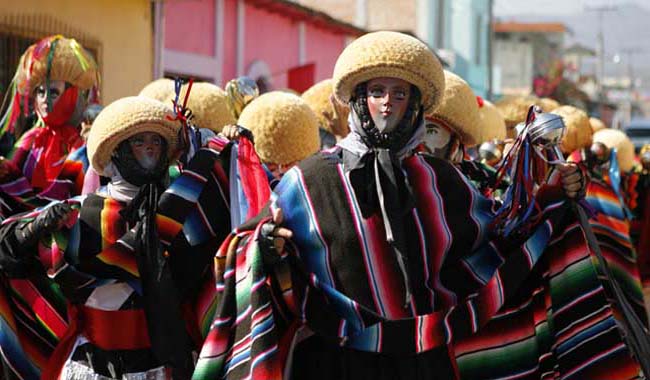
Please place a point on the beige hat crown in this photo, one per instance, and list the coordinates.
(318, 98)
(613, 138)
(596, 124)
(547, 104)
(125, 118)
(285, 129)
(578, 132)
(161, 89)
(514, 110)
(389, 54)
(493, 126)
(458, 109)
(209, 106)
(70, 63)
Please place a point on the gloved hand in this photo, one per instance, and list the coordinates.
(273, 237)
(48, 221)
(574, 180)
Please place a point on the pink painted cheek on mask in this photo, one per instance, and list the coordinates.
(374, 107)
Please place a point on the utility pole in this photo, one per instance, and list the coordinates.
(490, 52)
(600, 70)
(629, 53)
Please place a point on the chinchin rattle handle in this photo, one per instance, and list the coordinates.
(546, 131)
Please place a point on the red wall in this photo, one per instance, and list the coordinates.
(273, 39)
(323, 48)
(229, 70)
(189, 26)
(269, 37)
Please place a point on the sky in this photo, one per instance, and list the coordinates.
(511, 7)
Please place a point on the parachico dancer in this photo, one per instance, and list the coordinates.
(454, 125)
(371, 260)
(568, 320)
(103, 250)
(56, 77)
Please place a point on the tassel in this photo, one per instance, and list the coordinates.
(77, 50)
(8, 122)
(615, 181)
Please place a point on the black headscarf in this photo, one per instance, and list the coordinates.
(170, 342)
(376, 173)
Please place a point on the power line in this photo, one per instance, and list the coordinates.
(601, 10)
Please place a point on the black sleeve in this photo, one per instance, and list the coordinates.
(17, 257)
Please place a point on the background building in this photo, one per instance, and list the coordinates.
(117, 32)
(524, 52)
(458, 30)
(279, 43)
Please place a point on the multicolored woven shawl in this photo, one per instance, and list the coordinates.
(339, 277)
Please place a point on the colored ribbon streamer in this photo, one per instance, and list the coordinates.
(615, 180)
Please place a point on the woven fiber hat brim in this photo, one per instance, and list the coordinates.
(596, 124)
(125, 118)
(614, 138)
(318, 98)
(209, 106)
(493, 126)
(547, 104)
(393, 55)
(459, 109)
(578, 132)
(161, 89)
(285, 129)
(514, 109)
(70, 63)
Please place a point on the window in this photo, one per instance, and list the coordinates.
(11, 48)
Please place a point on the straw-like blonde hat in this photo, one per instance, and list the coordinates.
(596, 124)
(389, 54)
(125, 118)
(547, 104)
(578, 132)
(209, 106)
(68, 62)
(514, 110)
(161, 89)
(318, 98)
(285, 129)
(613, 138)
(492, 124)
(458, 109)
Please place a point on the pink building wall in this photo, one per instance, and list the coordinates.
(323, 48)
(190, 25)
(191, 28)
(273, 39)
(229, 69)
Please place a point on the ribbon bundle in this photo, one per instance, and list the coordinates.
(525, 168)
(188, 141)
